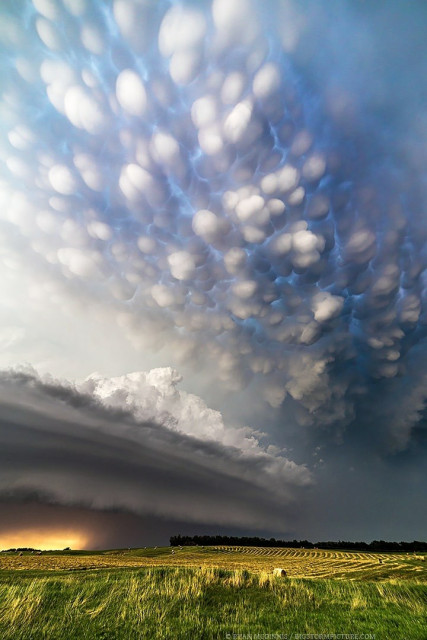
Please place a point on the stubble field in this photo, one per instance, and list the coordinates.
(212, 592)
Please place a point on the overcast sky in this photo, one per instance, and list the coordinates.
(213, 269)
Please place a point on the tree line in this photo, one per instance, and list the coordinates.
(246, 541)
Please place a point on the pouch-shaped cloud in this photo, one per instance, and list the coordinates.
(84, 112)
(182, 265)
(326, 306)
(130, 92)
(208, 226)
(266, 81)
(207, 177)
(62, 180)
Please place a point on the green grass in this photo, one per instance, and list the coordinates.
(203, 593)
(174, 603)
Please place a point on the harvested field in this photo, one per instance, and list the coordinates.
(298, 563)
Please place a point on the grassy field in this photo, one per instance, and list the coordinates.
(212, 593)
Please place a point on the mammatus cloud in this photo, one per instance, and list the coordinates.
(232, 188)
(138, 445)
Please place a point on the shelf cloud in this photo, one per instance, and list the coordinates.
(218, 189)
(129, 444)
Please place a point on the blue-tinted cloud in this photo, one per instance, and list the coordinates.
(226, 181)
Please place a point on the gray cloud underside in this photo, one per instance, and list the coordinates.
(102, 529)
(64, 447)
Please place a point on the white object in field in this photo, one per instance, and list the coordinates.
(280, 572)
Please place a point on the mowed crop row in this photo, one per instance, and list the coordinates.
(298, 563)
(331, 564)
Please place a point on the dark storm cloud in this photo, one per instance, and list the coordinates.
(61, 446)
(101, 529)
(238, 187)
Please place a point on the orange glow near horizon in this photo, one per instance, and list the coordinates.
(43, 539)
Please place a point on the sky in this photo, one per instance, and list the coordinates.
(213, 270)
